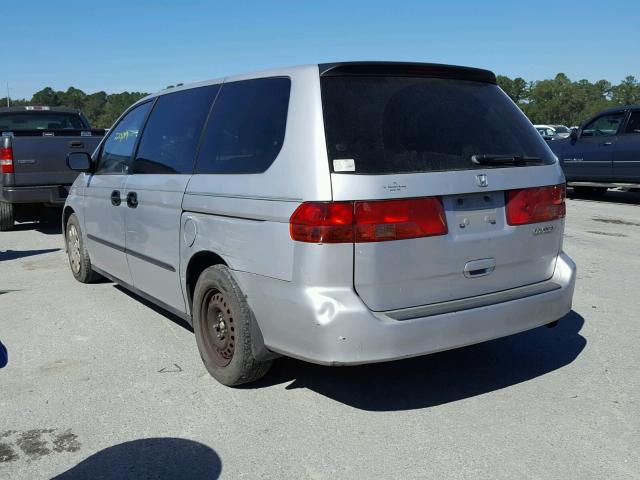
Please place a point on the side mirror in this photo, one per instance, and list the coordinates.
(574, 134)
(79, 161)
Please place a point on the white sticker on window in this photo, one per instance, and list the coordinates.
(344, 165)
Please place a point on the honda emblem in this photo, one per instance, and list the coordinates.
(481, 180)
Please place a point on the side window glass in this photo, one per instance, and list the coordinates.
(170, 138)
(634, 123)
(118, 147)
(247, 127)
(604, 126)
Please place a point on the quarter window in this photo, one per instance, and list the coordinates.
(247, 127)
(604, 126)
(170, 138)
(118, 147)
(634, 123)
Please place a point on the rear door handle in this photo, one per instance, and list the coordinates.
(76, 144)
(115, 198)
(606, 144)
(132, 199)
(479, 268)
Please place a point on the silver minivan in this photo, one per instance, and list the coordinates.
(340, 214)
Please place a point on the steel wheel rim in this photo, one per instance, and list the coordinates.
(219, 327)
(73, 247)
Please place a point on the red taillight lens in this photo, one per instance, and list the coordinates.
(323, 222)
(374, 221)
(6, 160)
(399, 219)
(533, 205)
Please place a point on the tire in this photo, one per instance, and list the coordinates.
(6, 216)
(79, 260)
(222, 324)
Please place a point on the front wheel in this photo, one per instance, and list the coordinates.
(222, 324)
(79, 260)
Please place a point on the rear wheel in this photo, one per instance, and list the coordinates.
(222, 324)
(6, 216)
(79, 260)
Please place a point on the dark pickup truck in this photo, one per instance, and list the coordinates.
(34, 143)
(603, 153)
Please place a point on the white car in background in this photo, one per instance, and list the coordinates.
(551, 132)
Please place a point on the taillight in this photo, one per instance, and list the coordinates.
(399, 219)
(6, 160)
(533, 205)
(368, 221)
(322, 222)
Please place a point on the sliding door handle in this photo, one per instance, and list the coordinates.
(115, 198)
(132, 199)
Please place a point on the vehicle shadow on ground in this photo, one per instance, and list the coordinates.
(4, 356)
(612, 196)
(48, 228)
(157, 458)
(442, 377)
(159, 310)
(15, 254)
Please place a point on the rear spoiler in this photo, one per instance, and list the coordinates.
(402, 69)
(93, 132)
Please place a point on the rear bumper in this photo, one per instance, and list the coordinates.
(49, 194)
(332, 326)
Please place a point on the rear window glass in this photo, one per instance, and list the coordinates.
(170, 138)
(246, 130)
(383, 125)
(49, 121)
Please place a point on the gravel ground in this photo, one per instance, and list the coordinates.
(99, 384)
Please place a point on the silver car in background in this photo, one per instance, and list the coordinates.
(551, 132)
(340, 213)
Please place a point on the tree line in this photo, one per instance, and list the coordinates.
(101, 108)
(557, 100)
(561, 101)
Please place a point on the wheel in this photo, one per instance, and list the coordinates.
(222, 324)
(79, 260)
(6, 216)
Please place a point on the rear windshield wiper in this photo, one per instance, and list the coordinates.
(486, 159)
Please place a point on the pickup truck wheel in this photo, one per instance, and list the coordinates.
(6, 216)
(79, 260)
(222, 324)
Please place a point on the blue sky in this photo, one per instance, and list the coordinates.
(145, 46)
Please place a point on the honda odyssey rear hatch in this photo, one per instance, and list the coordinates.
(452, 192)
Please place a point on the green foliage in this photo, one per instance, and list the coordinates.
(559, 100)
(517, 88)
(101, 109)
